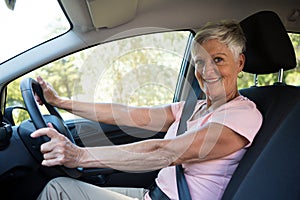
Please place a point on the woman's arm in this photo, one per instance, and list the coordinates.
(157, 118)
(210, 142)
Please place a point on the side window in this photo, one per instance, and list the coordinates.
(140, 71)
(291, 77)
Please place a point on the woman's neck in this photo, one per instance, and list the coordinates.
(215, 103)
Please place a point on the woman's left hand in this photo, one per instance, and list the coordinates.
(59, 150)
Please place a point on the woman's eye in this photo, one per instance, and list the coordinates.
(218, 59)
(199, 63)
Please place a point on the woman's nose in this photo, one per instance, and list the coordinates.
(209, 69)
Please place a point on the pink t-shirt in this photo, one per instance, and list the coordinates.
(208, 180)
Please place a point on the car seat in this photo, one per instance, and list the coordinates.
(270, 169)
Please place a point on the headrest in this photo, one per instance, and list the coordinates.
(268, 46)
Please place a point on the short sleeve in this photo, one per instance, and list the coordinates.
(177, 110)
(240, 115)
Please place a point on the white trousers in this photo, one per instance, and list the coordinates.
(63, 188)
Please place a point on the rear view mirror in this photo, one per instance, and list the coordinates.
(10, 4)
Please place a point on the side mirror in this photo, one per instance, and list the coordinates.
(15, 114)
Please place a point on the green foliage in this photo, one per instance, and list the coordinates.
(20, 115)
(291, 77)
(137, 71)
(61, 74)
(14, 98)
(14, 94)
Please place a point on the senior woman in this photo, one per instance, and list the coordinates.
(218, 133)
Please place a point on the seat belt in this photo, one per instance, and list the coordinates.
(182, 187)
(189, 106)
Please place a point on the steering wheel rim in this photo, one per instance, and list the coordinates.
(30, 86)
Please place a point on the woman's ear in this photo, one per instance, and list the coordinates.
(242, 60)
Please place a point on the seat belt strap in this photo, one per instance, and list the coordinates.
(189, 106)
(182, 187)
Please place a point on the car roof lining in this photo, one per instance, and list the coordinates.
(147, 16)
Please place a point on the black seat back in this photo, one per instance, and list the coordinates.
(268, 169)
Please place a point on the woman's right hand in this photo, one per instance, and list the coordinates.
(49, 93)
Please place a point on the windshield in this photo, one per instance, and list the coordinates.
(30, 23)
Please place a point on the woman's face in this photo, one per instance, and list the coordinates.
(216, 70)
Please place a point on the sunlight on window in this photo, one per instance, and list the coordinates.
(291, 77)
(29, 24)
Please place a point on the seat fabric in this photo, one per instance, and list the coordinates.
(270, 167)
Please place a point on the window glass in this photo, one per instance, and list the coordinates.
(291, 77)
(139, 71)
(28, 24)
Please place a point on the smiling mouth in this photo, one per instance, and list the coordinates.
(212, 80)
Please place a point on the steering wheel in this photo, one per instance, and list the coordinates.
(28, 87)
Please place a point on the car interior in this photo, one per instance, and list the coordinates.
(270, 167)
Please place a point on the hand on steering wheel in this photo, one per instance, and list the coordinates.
(29, 87)
(49, 95)
(59, 150)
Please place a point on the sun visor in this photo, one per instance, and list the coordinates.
(110, 13)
